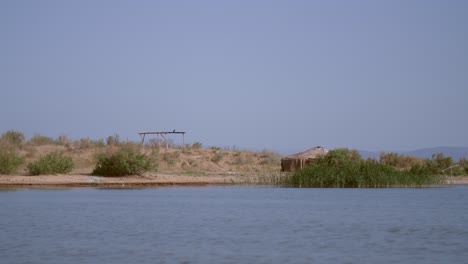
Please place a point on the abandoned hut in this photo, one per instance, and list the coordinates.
(299, 160)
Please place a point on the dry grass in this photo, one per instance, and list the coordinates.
(192, 160)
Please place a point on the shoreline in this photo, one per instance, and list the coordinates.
(74, 181)
(150, 181)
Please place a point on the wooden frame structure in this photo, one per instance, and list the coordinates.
(161, 133)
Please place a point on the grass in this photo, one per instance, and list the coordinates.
(345, 169)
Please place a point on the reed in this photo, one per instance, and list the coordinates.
(346, 170)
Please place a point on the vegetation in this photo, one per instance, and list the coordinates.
(217, 157)
(122, 163)
(87, 143)
(40, 140)
(52, 163)
(343, 168)
(400, 161)
(13, 137)
(269, 158)
(197, 145)
(464, 165)
(9, 162)
(113, 157)
(63, 140)
(113, 140)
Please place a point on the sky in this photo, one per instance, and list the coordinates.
(279, 75)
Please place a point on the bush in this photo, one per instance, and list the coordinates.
(217, 157)
(87, 143)
(13, 137)
(9, 162)
(439, 162)
(122, 163)
(63, 140)
(52, 163)
(270, 158)
(113, 140)
(40, 140)
(197, 145)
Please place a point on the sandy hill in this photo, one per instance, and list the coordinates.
(189, 160)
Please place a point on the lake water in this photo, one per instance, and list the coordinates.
(234, 225)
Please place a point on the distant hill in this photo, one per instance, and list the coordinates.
(455, 152)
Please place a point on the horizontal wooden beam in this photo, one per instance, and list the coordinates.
(161, 133)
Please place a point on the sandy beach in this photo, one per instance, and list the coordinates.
(71, 181)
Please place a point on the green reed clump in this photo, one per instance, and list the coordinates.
(342, 168)
(122, 163)
(52, 163)
(9, 162)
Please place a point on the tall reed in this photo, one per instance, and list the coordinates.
(346, 170)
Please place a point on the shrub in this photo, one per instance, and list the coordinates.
(9, 162)
(130, 147)
(63, 140)
(87, 143)
(197, 145)
(122, 163)
(153, 143)
(270, 158)
(52, 163)
(40, 140)
(113, 140)
(217, 157)
(13, 137)
(439, 162)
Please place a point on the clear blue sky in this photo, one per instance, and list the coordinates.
(279, 75)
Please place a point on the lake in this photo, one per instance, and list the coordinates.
(234, 225)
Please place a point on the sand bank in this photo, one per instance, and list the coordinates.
(69, 181)
(156, 180)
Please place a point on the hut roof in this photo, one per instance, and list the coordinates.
(312, 153)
